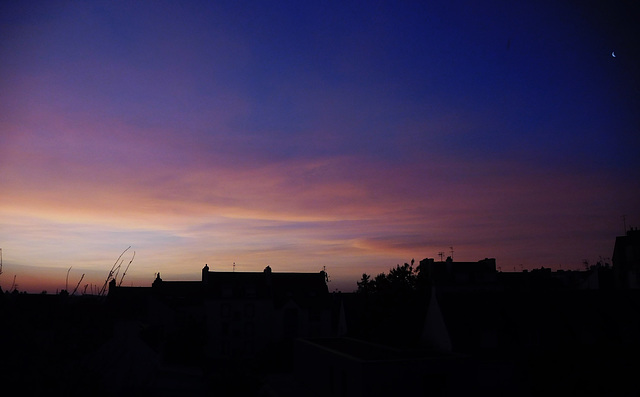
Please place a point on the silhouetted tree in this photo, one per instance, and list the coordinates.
(402, 279)
(392, 305)
(365, 285)
(380, 283)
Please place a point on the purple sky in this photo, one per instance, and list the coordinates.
(351, 135)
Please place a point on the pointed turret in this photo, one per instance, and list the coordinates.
(434, 332)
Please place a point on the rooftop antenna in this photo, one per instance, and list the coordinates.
(441, 254)
(234, 267)
(451, 253)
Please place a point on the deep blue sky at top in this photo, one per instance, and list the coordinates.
(541, 72)
(352, 134)
(537, 76)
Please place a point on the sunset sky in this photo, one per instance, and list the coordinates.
(351, 135)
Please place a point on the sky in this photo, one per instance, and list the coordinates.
(346, 135)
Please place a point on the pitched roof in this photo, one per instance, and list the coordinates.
(302, 288)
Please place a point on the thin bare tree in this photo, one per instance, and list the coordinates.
(77, 285)
(125, 270)
(110, 275)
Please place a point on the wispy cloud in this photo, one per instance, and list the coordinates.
(212, 133)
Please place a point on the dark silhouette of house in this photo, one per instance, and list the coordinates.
(626, 259)
(233, 314)
(460, 274)
(448, 328)
(537, 332)
(482, 275)
(534, 341)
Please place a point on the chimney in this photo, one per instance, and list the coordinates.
(205, 274)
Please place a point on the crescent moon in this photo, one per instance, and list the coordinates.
(613, 54)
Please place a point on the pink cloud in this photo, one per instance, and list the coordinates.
(183, 203)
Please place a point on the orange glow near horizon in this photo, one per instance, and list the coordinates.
(194, 137)
(351, 231)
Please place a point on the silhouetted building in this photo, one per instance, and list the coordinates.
(247, 312)
(233, 314)
(626, 259)
(543, 279)
(460, 274)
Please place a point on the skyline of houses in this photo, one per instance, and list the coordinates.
(443, 328)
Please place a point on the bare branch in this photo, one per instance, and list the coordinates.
(74, 291)
(125, 270)
(110, 276)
